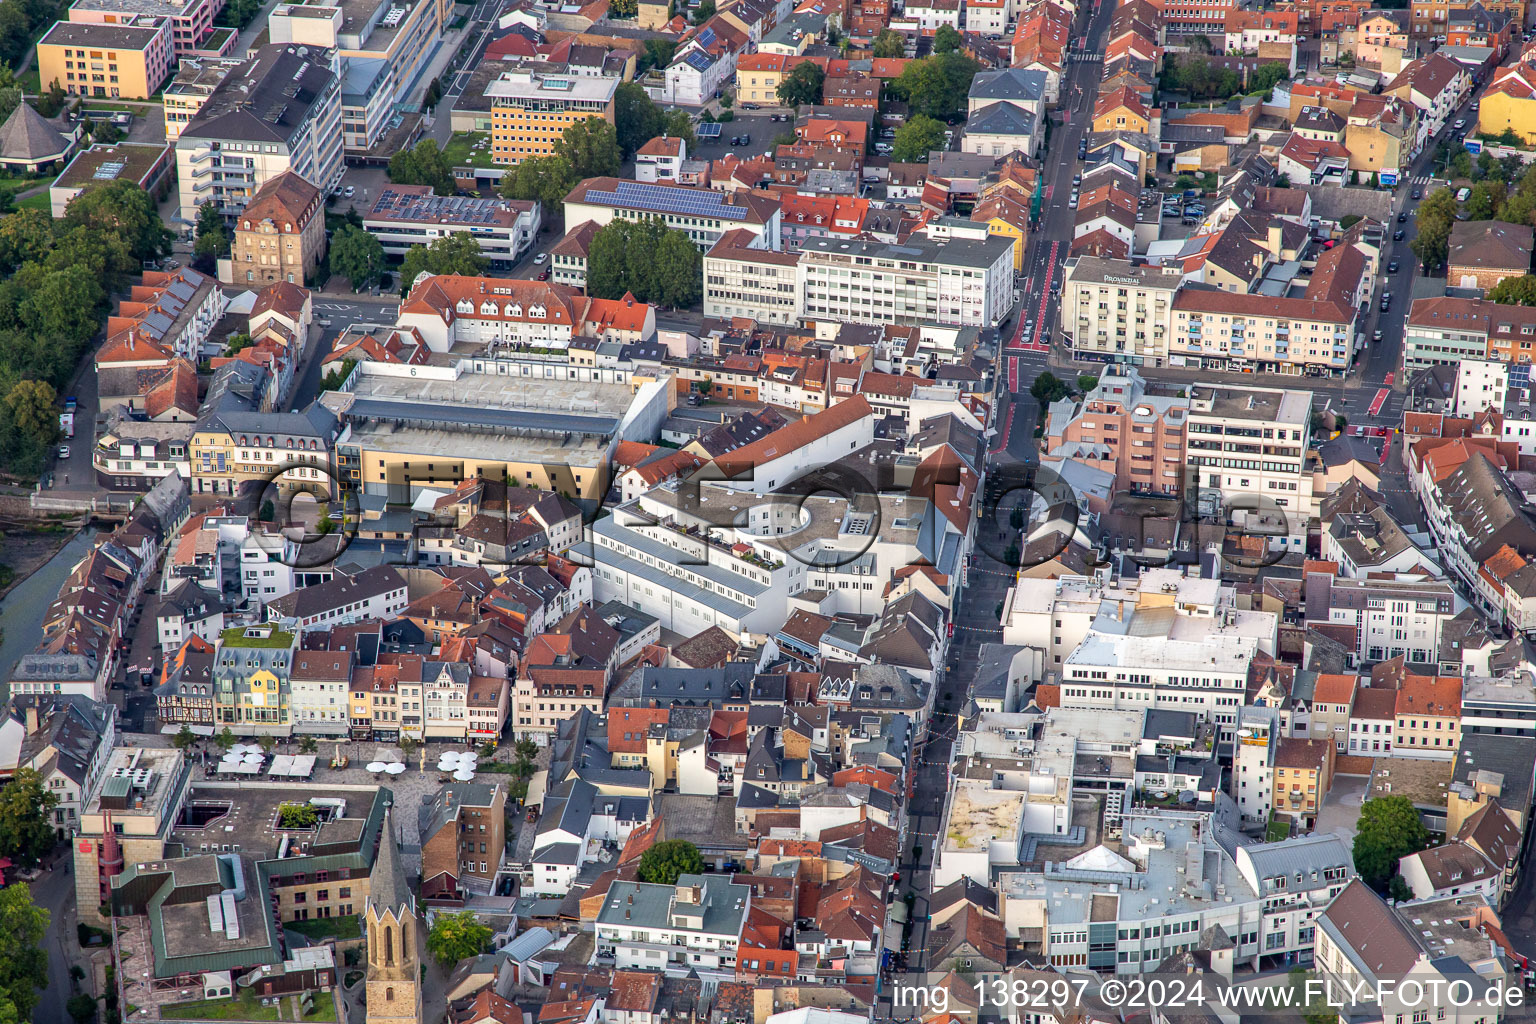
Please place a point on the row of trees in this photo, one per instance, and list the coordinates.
(55, 278)
(645, 259)
(1437, 214)
(1201, 78)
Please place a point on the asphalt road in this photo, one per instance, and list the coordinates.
(342, 313)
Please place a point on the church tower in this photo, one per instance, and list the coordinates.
(394, 939)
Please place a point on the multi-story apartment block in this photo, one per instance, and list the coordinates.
(694, 925)
(280, 111)
(408, 215)
(1296, 878)
(741, 278)
(703, 214)
(250, 680)
(195, 81)
(1118, 311)
(192, 24)
(465, 835)
(1127, 428)
(1390, 618)
(390, 41)
(130, 57)
(961, 281)
(1249, 445)
(530, 110)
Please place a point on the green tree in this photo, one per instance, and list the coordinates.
(81, 1008)
(32, 408)
(1389, 828)
(668, 860)
(937, 86)
(1398, 889)
(1436, 215)
(679, 273)
(802, 86)
(658, 54)
(1048, 388)
(225, 739)
(423, 164)
(308, 745)
(946, 39)
(544, 179)
(434, 94)
(26, 818)
(1486, 197)
(1515, 291)
(337, 376)
(623, 8)
(591, 146)
(456, 937)
(25, 236)
(23, 961)
(184, 738)
(211, 246)
(705, 11)
(1266, 76)
(297, 816)
(458, 253)
(638, 119)
(889, 43)
(124, 209)
(357, 255)
(916, 139)
(607, 264)
(679, 125)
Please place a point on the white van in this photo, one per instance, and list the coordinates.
(1462, 195)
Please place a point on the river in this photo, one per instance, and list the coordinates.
(22, 611)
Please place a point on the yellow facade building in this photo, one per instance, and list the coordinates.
(530, 111)
(130, 59)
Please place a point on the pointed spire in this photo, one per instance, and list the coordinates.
(388, 890)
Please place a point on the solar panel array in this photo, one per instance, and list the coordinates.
(1519, 375)
(633, 195)
(110, 170)
(707, 130)
(440, 209)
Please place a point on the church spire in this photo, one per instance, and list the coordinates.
(388, 890)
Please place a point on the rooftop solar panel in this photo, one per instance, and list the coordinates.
(631, 195)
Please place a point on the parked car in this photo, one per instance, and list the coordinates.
(1418, 194)
(1386, 304)
(1402, 218)
(63, 451)
(1392, 267)
(749, 106)
(1461, 123)
(349, 191)
(1376, 336)
(1397, 236)
(540, 258)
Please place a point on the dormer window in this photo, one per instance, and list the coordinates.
(488, 309)
(465, 306)
(536, 312)
(514, 310)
